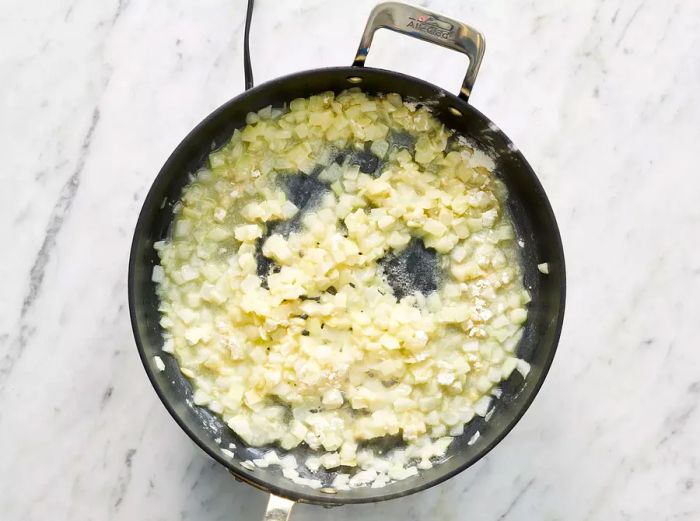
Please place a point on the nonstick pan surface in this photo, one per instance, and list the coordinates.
(532, 217)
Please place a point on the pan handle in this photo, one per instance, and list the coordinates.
(278, 508)
(428, 26)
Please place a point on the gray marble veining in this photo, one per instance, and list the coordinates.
(601, 95)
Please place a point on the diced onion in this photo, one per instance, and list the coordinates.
(284, 317)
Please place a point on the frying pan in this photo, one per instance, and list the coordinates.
(527, 203)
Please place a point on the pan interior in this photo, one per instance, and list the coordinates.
(535, 227)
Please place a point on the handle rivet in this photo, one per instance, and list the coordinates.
(455, 111)
(354, 79)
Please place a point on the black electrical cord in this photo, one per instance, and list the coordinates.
(247, 69)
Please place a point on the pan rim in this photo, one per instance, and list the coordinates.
(250, 477)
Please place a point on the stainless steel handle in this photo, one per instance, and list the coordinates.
(428, 26)
(278, 509)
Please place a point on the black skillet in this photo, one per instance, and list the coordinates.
(530, 210)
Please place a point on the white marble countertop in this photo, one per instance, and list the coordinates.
(602, 97)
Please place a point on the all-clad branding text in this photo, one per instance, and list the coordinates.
(432, 26)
